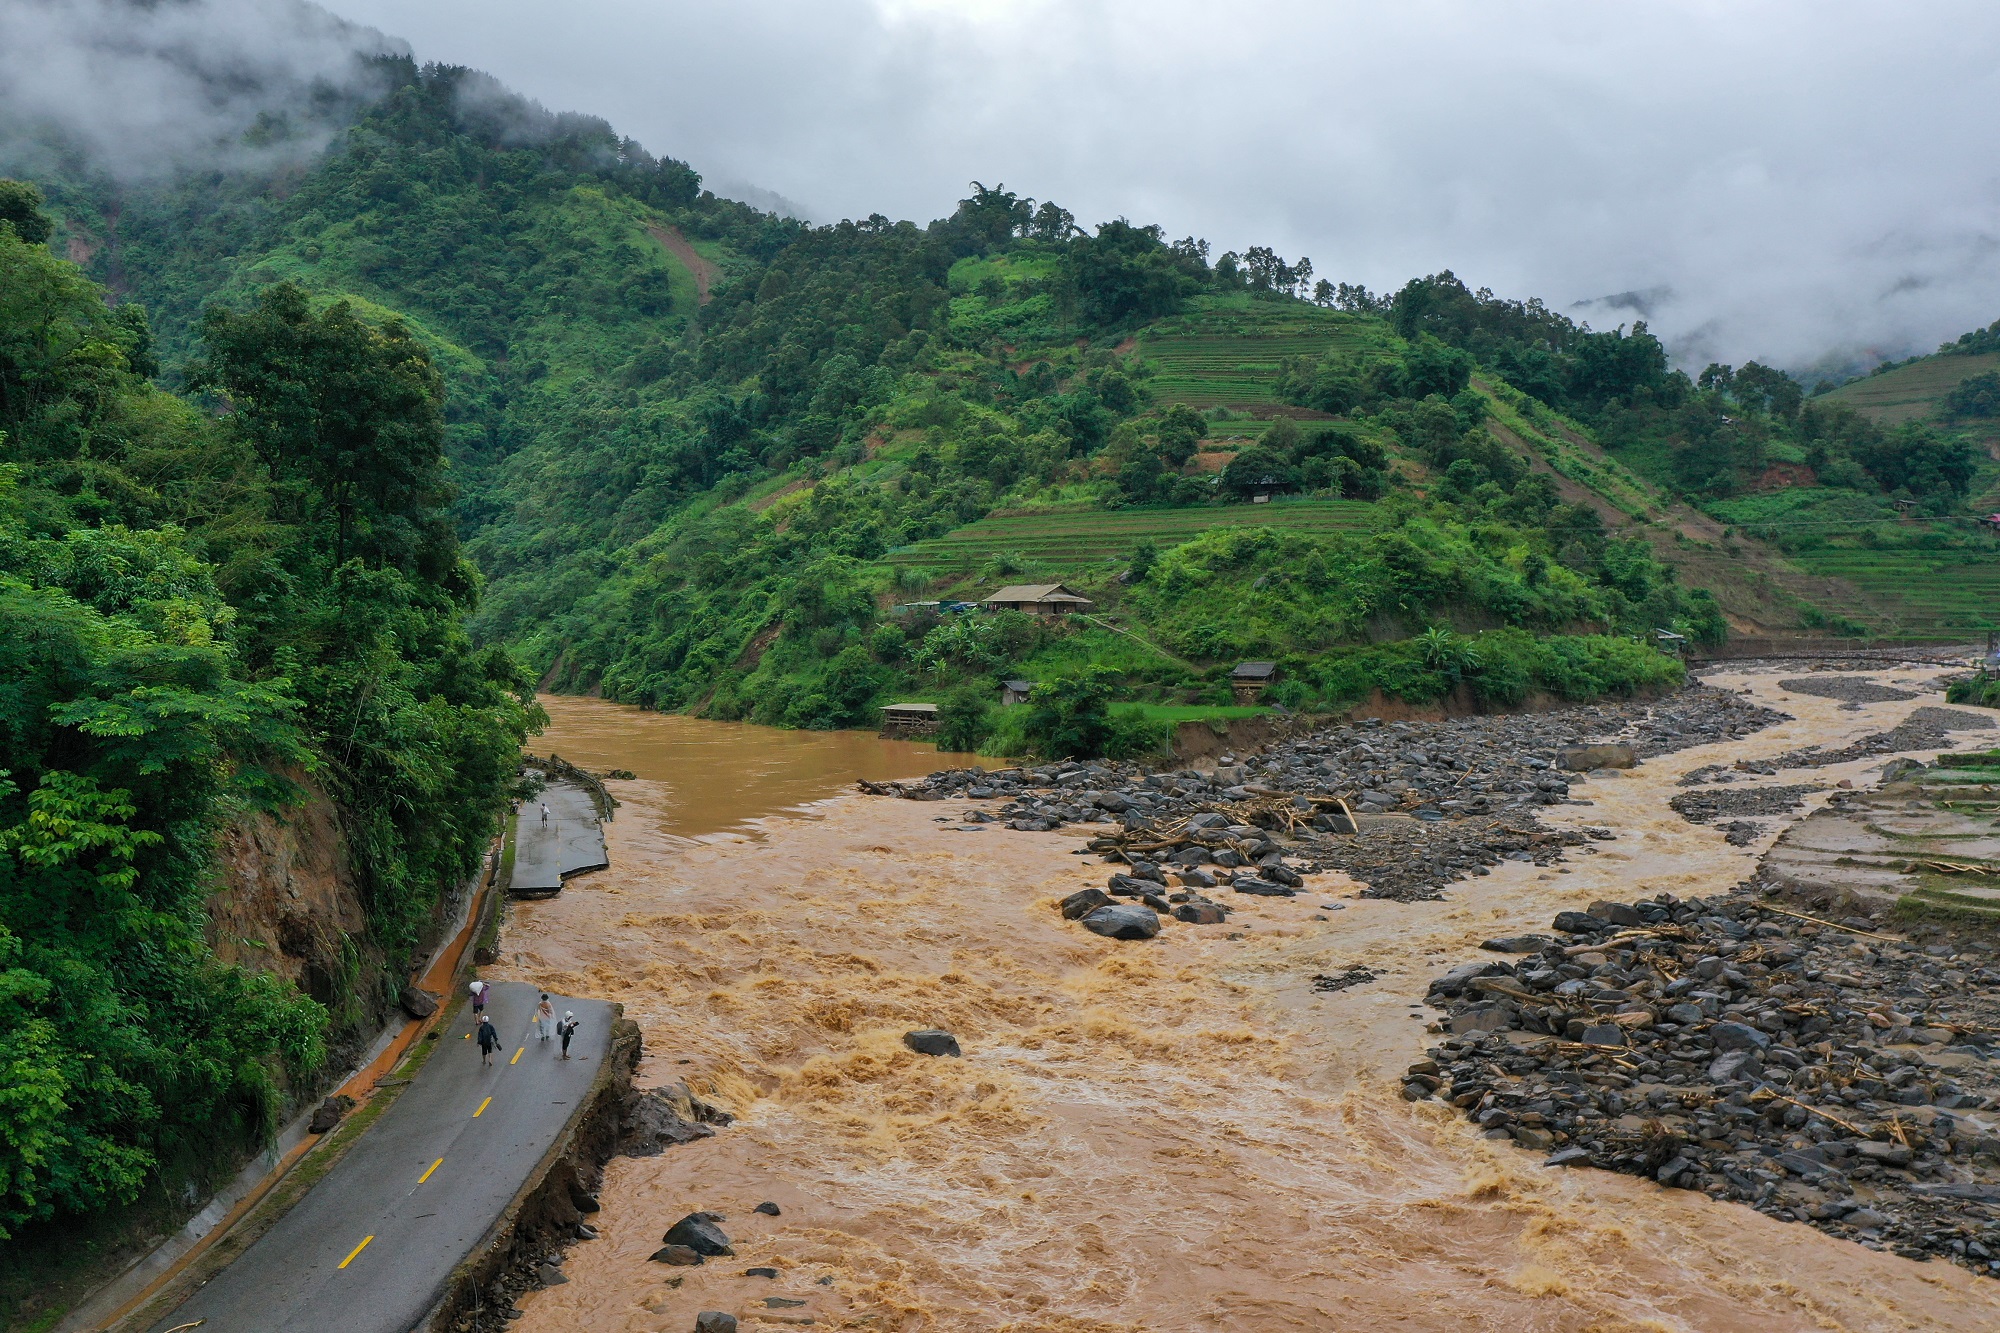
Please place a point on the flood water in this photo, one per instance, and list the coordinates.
(1179, 1134)
(718, 777)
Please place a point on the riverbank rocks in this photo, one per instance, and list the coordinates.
(1403, 807)
(1122, 921)
(931, 1041)
(1823, 1075)
(660, 1118)
(700, 1232)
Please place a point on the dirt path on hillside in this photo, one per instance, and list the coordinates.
(705, 270)
(1173, 1135)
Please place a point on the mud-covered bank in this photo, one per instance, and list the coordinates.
(1176, 1134)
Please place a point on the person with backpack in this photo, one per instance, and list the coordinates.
(545, 1019)
(489, 1040)
(566, 1029)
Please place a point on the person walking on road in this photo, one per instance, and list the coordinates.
(545, 1019)
(545, 814)
(566, 1029)
(478, 989)
(489, 1040)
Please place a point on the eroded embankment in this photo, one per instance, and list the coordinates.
(1176, 1134)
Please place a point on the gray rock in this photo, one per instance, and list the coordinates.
(417, 1002)
(1516, 944)
(329, 1113)
(1739, 1037)
(1604, 1034)
(549, 1275)
(1123, 921)
(1195, 877)
(1732, 1066)
(679, 1256)
(1201, 914)
(767, 1208)
(1083, 903)
(714, 1321)
(931, 1041)
(1263, 888)
(699, 1232)
(1583, 758)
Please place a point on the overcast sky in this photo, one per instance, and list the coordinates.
(1776, 180)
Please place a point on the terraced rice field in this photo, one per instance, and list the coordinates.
(1931, 591)
(1231, 358)
(1079, 538)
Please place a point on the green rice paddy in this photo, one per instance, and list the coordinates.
(1077, 538)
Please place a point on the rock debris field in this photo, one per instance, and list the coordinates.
(1818, 1073)
(1434, 801)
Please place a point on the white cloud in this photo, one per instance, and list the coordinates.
(1782, 178)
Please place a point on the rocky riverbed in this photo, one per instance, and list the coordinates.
(1404, 807)
(1817, 1071)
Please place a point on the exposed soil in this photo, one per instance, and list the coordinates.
(704, 269)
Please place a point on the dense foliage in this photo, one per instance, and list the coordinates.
(205, 605)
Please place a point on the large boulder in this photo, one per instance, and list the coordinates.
(931, 1041)
(329, 1113)
(714, 1321)
(417, 1002)
(699, 1232)
(1583, 758)
(1123, 921)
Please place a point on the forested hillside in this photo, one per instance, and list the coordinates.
(216, 603)
(702, 455)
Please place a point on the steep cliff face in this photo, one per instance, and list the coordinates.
(287, 902)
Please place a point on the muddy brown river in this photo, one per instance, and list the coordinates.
(1178, 1134)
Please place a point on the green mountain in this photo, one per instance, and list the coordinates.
(700, 451)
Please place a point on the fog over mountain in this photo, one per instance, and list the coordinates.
(1786, 181)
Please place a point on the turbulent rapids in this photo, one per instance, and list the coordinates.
(1180, 1133)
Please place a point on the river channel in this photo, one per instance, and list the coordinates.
(1174, 1135)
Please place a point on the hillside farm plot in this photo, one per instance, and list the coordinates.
(1077, 538)
(1927, 592)
(1912, 392)
(1231, 357)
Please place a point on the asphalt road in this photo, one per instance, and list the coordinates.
(369, 1248)
(570, 843)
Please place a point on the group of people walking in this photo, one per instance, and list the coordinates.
(546, 1026)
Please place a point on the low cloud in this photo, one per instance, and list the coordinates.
(143, 87)
(1787, 180)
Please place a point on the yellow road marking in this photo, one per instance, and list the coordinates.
(517, 1056)
(356, 1250)
(427, 1175)
(482, 1108)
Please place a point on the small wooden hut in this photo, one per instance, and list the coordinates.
(1037, 599)
(903, 721)
(1248, 680)
(1014, 692)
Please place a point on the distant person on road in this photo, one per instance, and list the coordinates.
(545, 812)
(489, 1040)
(478, 989)
(566, 1029)
(545, 1018)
